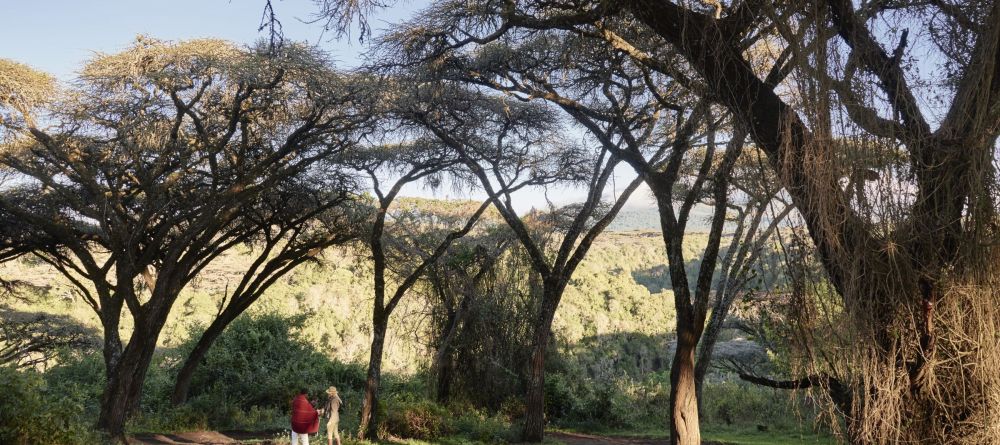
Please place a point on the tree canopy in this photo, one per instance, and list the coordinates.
(160, 158)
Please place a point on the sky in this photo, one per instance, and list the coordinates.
(58, 36)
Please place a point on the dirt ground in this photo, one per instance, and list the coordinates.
(587, 439)
(206, 438)
(263, 438)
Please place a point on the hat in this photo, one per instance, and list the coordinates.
(332, 390)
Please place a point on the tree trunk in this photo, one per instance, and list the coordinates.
(700, 371)
(443, 360)
(123, 389)
(684, 427)
(534, 402)
(708, 340)
(444, 377)
(183, 383)
(110, 318)
(367, 429)
(442, 364)
(683, 390)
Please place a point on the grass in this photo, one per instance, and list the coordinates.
(728, 435)
(459, 440)
(746, 436)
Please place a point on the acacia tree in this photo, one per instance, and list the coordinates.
(904, 270)
(158, 160)
(455, 284)
(536, 68)
(555, 241)
(621, 104)
(406, 152)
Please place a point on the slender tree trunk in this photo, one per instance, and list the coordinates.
(442, 365)
(445, 367)
(534, 403)
(367, 429)
(534, 415)
(708, 340)
(182, 385)
(700, 371)
(684, 426)
(684, 429)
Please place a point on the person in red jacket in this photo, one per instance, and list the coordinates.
(305, 419)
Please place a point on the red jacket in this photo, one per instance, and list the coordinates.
(305, 419)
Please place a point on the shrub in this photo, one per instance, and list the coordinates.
(257, 361)
(562, 400)
(254, 369)
(478, 426)
(744, 404)
(32, 412)
(417, 420)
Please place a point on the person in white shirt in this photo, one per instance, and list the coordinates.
(332, 410)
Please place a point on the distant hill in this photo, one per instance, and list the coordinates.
(619, 297)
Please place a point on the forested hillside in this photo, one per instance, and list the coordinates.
(608, 368)
(619, 295)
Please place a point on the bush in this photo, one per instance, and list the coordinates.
(424, 420)
(478, 426)
(629, 403)
(255, 368)
(32, 412)
(246, 382)
(740, 403)
(617, 403)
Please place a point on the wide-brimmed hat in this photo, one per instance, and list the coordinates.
(332, 390)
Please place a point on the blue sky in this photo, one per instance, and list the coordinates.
(58, 36)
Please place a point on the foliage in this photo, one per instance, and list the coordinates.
(256, 367)
(269, 350)
(738, 403)
(419, 420)
(164, 155)
(33, 411)
(606, 369)
(22, 88)
(479, 426)
(495, 326)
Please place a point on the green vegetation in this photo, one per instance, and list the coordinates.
(607, 374)
(39, 409)
(730, 436)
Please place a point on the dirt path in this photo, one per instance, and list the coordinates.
(587, 439)
(207, 438)
(267, 438)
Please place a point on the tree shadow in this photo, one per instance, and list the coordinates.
(637, 354)
(32, 338)
(656, 279)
